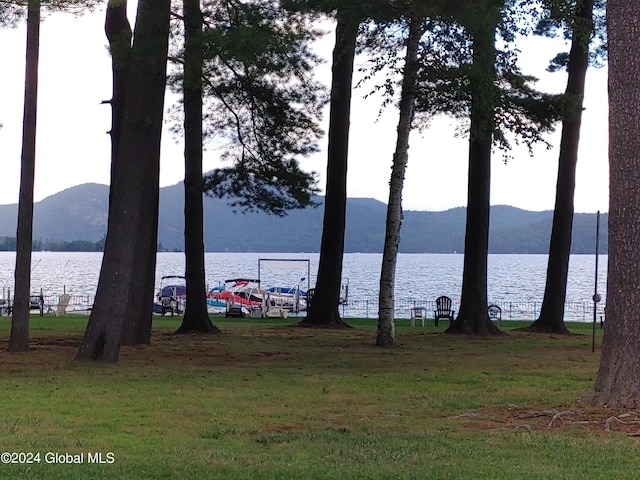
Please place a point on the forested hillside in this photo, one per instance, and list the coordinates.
(80, 213)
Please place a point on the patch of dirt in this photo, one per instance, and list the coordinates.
(287, 427)
(51, 352)
(592, 420)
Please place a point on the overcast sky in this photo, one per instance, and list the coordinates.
(73, 147)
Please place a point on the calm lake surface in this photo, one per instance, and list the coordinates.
(515, 282)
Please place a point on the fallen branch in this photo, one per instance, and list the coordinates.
(558, 416)
(618, 419)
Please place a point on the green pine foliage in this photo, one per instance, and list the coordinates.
(560, 20)
(10, 15)
(523, 115)
(261, 104)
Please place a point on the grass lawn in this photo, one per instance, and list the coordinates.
(267, 400)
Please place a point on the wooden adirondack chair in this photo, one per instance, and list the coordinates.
(443, 310)
(495, 313)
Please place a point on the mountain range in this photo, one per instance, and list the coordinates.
(80, 213)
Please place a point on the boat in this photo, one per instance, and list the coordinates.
(244, 297)
(237, 298)
(172, 296)
(292, 298)
(215, 305)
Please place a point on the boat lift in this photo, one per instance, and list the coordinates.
(288, 264)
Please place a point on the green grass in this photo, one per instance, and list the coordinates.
(272, 401)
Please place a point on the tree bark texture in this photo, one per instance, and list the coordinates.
(472, 316)
(123, 296)
(552, 312)
(19, 337)
(138, 331)
(196, 317)
(324, 309)
(618, 381)
(386, 315)
(118, 31)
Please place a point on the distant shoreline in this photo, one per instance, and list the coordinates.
(81, 212)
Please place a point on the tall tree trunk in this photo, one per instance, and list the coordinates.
(139, 331)
(552, 312)
(19, 339)
(137, 328)
(118, 31)
(618, 381)
(386, 320)
(473, 317)
(123, 296)
(196, 317)
(324, 309)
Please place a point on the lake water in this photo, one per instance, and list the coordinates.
(515, 282)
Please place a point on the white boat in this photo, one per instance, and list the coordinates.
(290, 298)
(244, 297)
(172, 296)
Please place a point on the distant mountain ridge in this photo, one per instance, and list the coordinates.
(80, 213)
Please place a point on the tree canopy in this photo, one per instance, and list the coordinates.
(262, 105)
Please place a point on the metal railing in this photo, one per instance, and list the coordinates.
(78, 303)
(368, 308)
(511, 310)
